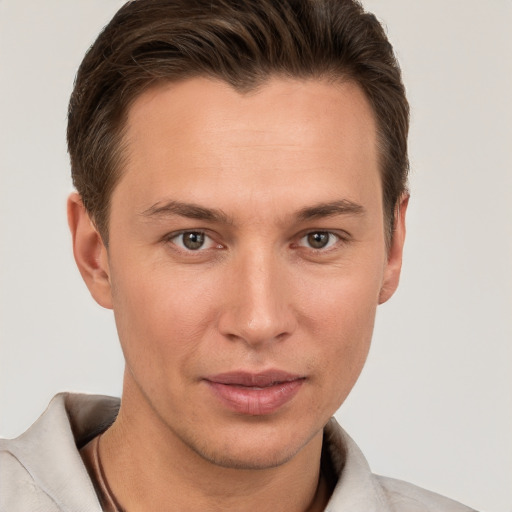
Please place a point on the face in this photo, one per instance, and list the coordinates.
(246, 260)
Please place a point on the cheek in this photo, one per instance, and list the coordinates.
(344, 335)
(160, 320)
(341, 319)
(343, 302)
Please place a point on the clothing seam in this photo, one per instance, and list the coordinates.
(34, 480)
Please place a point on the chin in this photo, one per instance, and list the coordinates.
(253, 459)
(251, 449)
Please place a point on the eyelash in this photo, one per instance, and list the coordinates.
(174, 236)
(334, 240)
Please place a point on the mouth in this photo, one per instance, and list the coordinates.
(255, 394)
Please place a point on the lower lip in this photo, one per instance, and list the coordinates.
(255, 401)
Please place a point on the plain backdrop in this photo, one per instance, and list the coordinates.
(434, 403)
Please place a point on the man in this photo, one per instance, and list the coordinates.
(241, 174)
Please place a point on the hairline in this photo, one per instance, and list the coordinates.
(121, 140)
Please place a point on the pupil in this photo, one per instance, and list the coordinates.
(193, 240)
(318, 240)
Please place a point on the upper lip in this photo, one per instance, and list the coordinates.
(249, 379)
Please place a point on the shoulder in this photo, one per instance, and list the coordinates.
(406, 497)
(42, 469)
(19, 491)
(360, 490)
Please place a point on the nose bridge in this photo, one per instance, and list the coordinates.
(259, 309)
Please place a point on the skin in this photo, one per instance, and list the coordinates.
(255, 296)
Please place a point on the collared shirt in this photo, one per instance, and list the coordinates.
(42, 470)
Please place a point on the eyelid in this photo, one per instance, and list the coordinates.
(170, 237)
(342, 237)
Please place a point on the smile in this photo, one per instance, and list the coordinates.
(255, 394)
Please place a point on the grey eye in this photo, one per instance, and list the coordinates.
(318, 239)
(191, 240)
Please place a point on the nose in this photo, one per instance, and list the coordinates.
(258, 308)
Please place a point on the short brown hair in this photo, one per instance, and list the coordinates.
(244, 43)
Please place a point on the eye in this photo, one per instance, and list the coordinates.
(193, 241)
(319, 240)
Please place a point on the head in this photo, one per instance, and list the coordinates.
(240, 168)
(244, 44)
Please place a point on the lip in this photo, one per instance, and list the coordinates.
(255, 394)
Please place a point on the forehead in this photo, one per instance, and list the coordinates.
(278, 111)
(203, 134)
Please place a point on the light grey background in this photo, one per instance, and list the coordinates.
(434, 403)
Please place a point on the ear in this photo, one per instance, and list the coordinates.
(394, 261)
(90, 253)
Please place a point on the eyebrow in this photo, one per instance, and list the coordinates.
(193, 211)
(341, 207)
(189, 210)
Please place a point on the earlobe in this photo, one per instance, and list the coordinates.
(90, 253)
(394, 261)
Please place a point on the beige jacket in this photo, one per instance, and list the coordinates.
(42, 471)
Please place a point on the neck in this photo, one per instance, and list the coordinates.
(149, 468)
